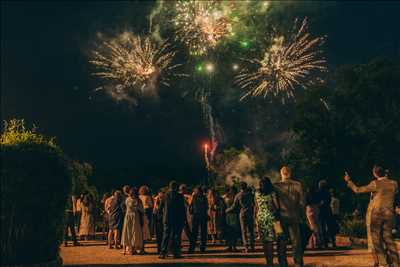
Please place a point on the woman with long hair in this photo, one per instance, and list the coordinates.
(232, 227)
(132, 233)
(267, 213)
(115, 220)
(87, 225)
(148, 204)
(216, 213)
(312, 213)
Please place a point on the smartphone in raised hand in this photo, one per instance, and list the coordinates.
(346, 176)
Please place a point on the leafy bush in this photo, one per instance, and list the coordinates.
(35, 182)
(353, 227)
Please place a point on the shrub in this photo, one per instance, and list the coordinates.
(34, 186)
(353, 227)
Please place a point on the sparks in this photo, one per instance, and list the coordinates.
(287, 64)
(200, 25)
(134, 62)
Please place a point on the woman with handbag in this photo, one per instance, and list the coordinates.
(268, 217)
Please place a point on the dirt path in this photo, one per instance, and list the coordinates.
(96, 253)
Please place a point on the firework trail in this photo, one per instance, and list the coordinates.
(216, 133)
(200, 25)
(135, 63)
(286, 64)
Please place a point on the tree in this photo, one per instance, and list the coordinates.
(35, 182)
(349, 125)
(80, 173)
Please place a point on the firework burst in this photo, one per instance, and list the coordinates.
(200, 25)
(134, 62)
(287, 64)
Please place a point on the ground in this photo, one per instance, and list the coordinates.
(96, 253)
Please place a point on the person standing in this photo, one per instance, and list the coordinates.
(78, 212)
(198, 210)
(382, 214)
(188, 222)
(290, 194)
(325, 214)
(216, 213)
(132, 232)
(244, 201)
(369, 235)
(267, 213)
(335, 208)
(147, 201)
(105, 215)
(174, 220)
(107, 204)
(115, 220)
(312, 212)
(87, 226)
(158, 218)
(232, 226)
(70, 223)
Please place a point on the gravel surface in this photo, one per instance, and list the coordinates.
(96, 253)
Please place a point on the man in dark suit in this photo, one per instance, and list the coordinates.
(174, 220)
(198, 210)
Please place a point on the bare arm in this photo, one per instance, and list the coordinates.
(234, 206)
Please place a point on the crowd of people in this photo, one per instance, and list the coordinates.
(274, 213)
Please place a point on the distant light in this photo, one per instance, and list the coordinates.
(235, 67)
(244, 44)
(209, 67)
(199, 68)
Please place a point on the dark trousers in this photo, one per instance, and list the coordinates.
(381, 233)
(327, 222)
(199, 223)
(78, 216)
(188, 231)
(247, 227)
(149, 215)
(159, 233)
(172, 233)
(69, 225)
(290, 229)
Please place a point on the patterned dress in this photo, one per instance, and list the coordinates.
(265, 216)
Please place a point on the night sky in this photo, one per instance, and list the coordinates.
(45, 79)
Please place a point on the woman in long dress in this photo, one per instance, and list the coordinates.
(267, 214)
(87, 226)
(232, 227)
(132, 232)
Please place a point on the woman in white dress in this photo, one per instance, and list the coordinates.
(132, 232)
